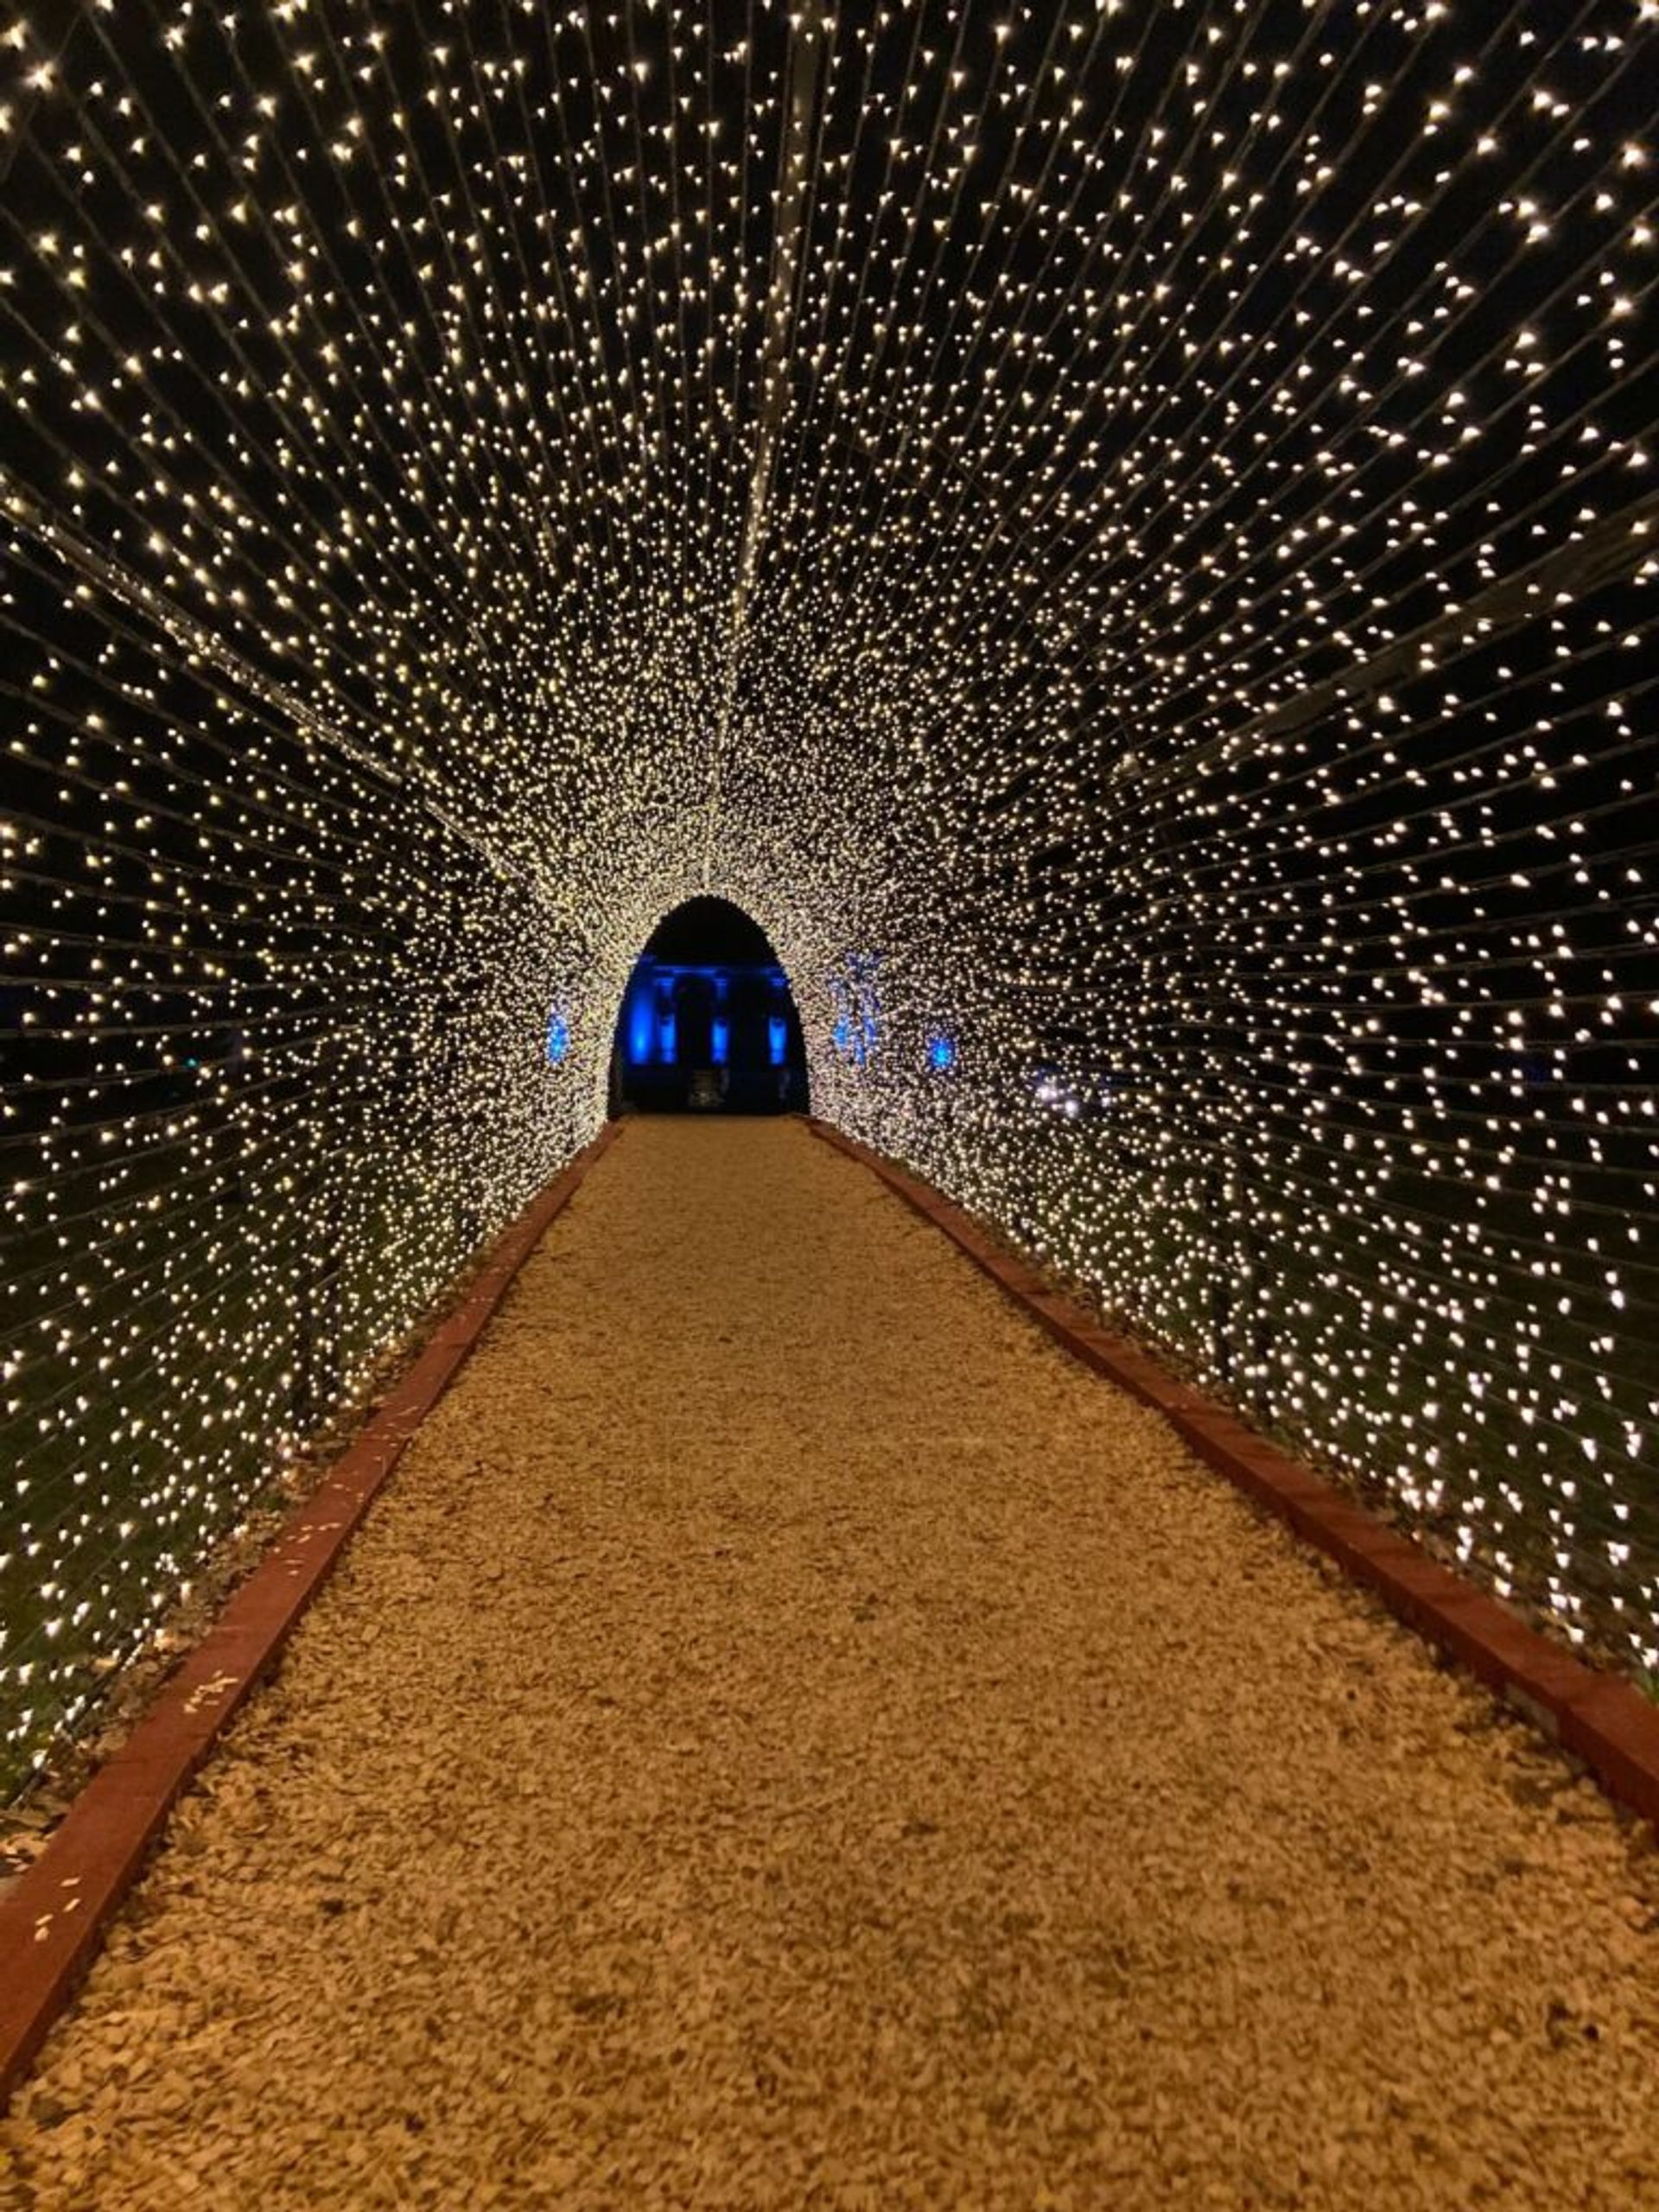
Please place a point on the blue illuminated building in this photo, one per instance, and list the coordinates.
(709, 1034)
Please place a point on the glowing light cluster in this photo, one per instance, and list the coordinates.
(1120, 530)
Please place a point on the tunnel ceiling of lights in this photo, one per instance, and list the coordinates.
(1122, 535)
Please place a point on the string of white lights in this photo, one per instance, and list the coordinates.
(1120, 533)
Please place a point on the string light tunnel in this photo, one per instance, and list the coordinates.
(1122, 534)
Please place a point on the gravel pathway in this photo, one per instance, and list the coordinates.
(788, 1738)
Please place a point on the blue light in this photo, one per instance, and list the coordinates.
(941, 1052)
(648, 1029)
(558, 1038)
(858, 1008)
(639, 1030)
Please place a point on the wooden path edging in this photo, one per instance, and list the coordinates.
(1600, 1718)
(52, 1917)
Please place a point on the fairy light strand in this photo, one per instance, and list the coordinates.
(1122, 533)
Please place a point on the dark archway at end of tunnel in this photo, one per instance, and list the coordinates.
(707, 1022)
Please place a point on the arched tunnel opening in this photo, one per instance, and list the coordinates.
(708, 1023)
